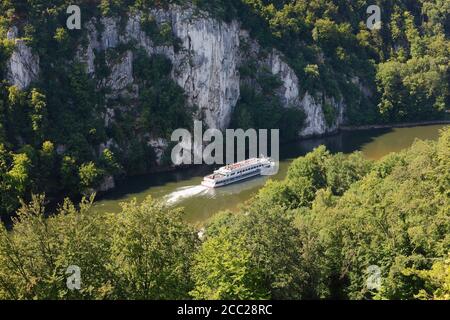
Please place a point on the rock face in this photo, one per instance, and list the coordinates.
(315, 123)
(290, 91)
(315, 117)
(205, 62)
(206, 66)
(159, 146)
(290, 86)
(107, 184)
(121, 73)
(210, 75)
(23, 65)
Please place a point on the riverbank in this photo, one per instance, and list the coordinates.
(395, 125)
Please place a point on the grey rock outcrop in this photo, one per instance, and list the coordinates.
(206, 62)
(23, 65)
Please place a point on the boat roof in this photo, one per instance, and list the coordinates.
(242, 164)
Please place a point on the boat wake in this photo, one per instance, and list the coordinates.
(184, 193)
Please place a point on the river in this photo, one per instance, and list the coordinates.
(182, 188)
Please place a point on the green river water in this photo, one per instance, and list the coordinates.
(182, 188)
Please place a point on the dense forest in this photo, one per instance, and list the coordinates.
(405, 65)
(314, 235)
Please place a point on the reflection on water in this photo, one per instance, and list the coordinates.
(182, 188)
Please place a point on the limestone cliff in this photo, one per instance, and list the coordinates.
(206, 60)
(23, 65)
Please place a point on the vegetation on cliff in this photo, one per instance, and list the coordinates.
(405, 63)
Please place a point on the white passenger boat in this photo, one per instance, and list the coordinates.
(237, 172)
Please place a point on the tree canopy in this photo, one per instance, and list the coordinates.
(315, 235)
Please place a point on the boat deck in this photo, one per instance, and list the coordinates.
(215, 176)
(241, 164)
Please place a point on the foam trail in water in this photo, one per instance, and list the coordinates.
(185, 192)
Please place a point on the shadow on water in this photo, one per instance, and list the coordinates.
(138, 184)
(346, 142)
